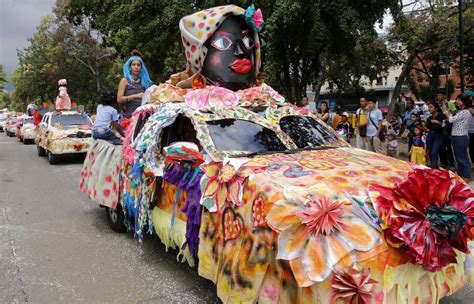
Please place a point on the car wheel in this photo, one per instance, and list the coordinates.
(52, 158)
(115, 218)
(41, 151)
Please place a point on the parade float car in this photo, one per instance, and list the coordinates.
(3, 123)
(10, 127)
(27, 130)
(3, 120)
(277, 208)
(63, 133)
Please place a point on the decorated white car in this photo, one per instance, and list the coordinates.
(27, 130)
(63, 133)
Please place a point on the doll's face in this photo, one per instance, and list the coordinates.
(230, 59)
(417, 131)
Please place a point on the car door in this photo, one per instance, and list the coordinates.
(42, 130)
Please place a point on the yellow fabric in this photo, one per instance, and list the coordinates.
(418, 155)
(174, 239)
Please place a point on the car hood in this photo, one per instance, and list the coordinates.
(56, 133)
(342, 170)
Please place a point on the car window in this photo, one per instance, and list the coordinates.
(243, 135)
(181, 129)
(28, 121)
(70, 120)
(305, 131)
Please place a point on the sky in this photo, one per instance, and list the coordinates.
(18, 21)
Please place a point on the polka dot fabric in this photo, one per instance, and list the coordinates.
(198, 27)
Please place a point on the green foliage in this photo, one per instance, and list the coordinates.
(430, 32)
(301, 37)
(60, 50)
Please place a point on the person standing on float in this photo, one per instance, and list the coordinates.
(132, 86)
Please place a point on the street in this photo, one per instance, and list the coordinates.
(56, 246)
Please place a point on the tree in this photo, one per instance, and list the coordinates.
(300, 38)
(426, 32)
(60, 50)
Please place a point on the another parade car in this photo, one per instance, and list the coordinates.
(275, 206)
(27, 130)
(10, 126)
(63, 133)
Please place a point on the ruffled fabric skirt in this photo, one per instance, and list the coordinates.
(418, 155)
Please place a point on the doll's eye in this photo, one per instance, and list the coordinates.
(222, 43)
(248, 42)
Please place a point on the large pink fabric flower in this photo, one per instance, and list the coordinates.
(429, 214)
(211, 98)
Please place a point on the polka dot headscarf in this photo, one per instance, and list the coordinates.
(198, 27)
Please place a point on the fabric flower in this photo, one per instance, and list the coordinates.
(317, 232)
(224, 182)
(354, 286)
(429, 214)
(254, 18)
(211, 98)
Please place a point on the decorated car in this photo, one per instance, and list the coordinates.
(273, 204)
(3, 121)
(26, 130)
(63, 133)
(10, 126)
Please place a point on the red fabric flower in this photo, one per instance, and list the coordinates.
(430, 214)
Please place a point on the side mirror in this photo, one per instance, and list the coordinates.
(182, 153)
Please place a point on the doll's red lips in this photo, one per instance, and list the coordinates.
(241, 66)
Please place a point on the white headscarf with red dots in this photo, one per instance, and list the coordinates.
(198, 27)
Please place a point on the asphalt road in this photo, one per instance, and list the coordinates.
(56, 246)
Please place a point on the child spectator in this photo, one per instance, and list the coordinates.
(418, 149)
(344, 128)
(392, 144)
(106, 118)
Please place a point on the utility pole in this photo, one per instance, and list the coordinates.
(461, 45)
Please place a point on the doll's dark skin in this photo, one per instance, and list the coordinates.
(230, 58)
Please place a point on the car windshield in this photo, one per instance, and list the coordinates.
(243, 135)
(306, 132)
(70, 120)
(28, 121)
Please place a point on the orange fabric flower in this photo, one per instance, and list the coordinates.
(317, 232)
(224, 182)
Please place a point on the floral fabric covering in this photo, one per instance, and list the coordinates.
(295, 207)
(324, 226)
(100, 175)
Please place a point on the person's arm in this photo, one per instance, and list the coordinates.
(379, 124)
(325, 116)
(121, 98)
(119, 129)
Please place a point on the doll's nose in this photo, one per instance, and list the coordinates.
(238, 51)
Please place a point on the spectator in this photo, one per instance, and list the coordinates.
(304, 103)
(400, 108)
(361, 125)
(435, 137)
(415, 120)
(374, 127)
(446, 154)
(418, 150)
(392, 144)
(459, 134)
(344, 128)
(323, 112)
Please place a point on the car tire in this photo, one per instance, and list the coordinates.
(25, 141)
(115, 218)
(41, 151)
(52, 158)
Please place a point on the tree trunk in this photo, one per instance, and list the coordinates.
(401, 79)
